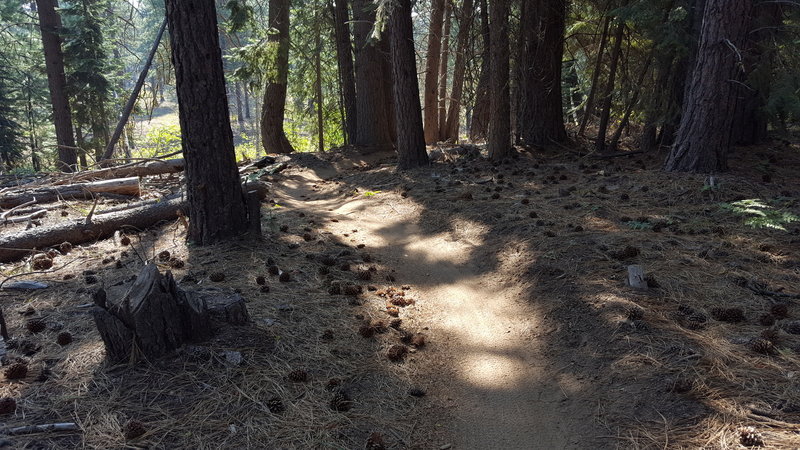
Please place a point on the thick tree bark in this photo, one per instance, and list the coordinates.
(605, 113)
(432, 56)
(216, 205)
(410, 134)
(541, 111)
(344, 57)
(703, 139)
(441, 116)
(750, 121)
(459, 69)
(372, 104)
(273, 137)
(598, 65)
(480, 112)
(50, 25)
(499, 142)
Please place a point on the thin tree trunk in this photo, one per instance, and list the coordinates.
(499, 142)
(273, 135)
(441, 116)
(637, 89)
(589, 110)
(50, 26)
(239, 111)
(480, 114)
(344, 57)
(216, 205)
(246, 102)
(410, 134)
(432, 57)
(704, 137)
(318, 81)
(126, 112)
(605, 113)
(459, 69)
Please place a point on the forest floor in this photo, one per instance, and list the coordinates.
(522, 332)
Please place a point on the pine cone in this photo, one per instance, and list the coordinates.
(749, 437)
(397, 352)
(375, 442)
(16, 371)
(728, 315)
(7, 405)
(780, 310)
(763, 346)
(64, 338)
(36, 325)
(298, 376)
(275, 405)
(133, 429)
(341, 402)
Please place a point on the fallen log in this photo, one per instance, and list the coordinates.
(120, 186)
(155, 317)
(103, 224)
(20, 244)
(140, 169)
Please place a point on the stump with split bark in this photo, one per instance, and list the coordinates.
(155, 317)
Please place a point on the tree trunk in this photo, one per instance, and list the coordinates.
(703, 139)
(388, 85)
(605, 114)
(239, 110)
(50, 26)
(273, 137)
(541, 110)
(372, 133)
(480, 112)
(441, 116)
(344, 56)
(459, 69)
(499, 142)
(410, 134)
(598, 65)
(318, 80)
(216, 205)
(750, 121)
(430, 103)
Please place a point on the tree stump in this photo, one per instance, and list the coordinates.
(155, 317)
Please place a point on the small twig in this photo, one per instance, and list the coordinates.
(28, 218)
(65, 426)
(767, 293)
(88, 220)
(8, 213)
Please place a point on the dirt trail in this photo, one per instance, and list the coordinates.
(489, 382)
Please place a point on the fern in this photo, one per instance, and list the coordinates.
(759, 214)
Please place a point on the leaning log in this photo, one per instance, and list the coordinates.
(141, 169)
(20, 244)
(155, 317)
(45, 194)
